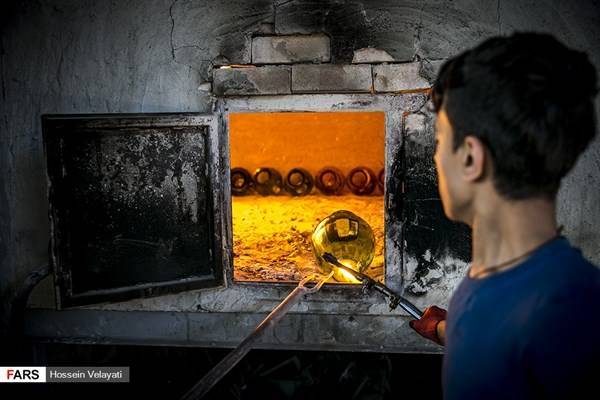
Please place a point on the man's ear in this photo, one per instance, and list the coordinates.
(473, 158)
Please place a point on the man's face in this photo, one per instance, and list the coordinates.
(453, 189)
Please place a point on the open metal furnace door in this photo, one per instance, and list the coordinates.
(134, 205)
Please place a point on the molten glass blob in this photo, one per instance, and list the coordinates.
(349, 238)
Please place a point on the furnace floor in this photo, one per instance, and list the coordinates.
(271, 235)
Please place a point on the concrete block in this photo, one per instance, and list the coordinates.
(398, 77)
(430, 69)
(291, 49)
(371, 55)
(251, 81)
(331, 78)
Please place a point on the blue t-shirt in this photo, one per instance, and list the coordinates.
(529, 332)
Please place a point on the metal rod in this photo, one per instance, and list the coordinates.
(410, 308)
(395, 298)
(204, 385)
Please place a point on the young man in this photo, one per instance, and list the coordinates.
(513, 115)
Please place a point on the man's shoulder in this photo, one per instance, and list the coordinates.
(565, 283)
(560, 274)
(565, 266)
(564, 302)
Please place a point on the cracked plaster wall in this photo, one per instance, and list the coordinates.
(85, 56)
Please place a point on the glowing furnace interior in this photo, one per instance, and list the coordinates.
(272, 229)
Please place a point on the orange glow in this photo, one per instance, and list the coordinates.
(344, 276)
(271, 234)
(311, 140)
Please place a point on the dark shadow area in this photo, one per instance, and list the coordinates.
(168, 372)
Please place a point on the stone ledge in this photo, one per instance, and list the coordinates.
(331, 78)
(268, 80)
(297, 331)
(290, 49)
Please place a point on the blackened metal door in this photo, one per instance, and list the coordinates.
(132, 205)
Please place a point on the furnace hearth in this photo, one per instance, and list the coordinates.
(201, 223)
(272, 231)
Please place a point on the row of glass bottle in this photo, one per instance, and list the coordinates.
(330, 181)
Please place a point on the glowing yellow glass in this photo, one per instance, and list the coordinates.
(349, 238)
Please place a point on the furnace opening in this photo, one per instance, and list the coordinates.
(290, 171)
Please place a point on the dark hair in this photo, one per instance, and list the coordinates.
(530, 100)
